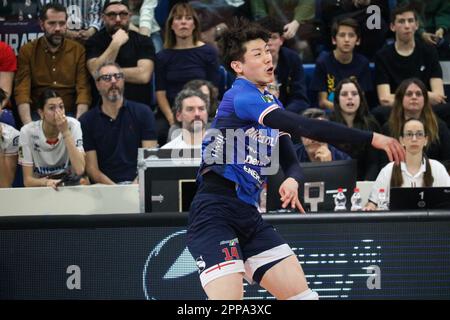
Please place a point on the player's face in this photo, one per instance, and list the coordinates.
(413, 100)
(404, 26)
(193, 115)
(54, 27)
(346, 39)
(116, 17)
(257, 64)
(414, 138)
(349, 99)
(47, 113)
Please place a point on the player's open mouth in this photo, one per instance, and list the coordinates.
(270, 70)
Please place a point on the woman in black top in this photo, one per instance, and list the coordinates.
(350, 109)
(412, 101)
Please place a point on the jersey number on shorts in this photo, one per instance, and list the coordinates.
(234, 253)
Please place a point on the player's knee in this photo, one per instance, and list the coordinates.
(305, 295)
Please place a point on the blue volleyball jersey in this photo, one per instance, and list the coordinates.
(238, 146)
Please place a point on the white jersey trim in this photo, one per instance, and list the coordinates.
(220, 270)
(266, 112)
(265, 257)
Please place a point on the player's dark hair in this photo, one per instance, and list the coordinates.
(232, 42)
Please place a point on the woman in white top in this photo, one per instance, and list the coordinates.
(416, 171)
(52, 146)
(9, 145)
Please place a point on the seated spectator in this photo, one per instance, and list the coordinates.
(83, 19)
(416, 171)
(191, 110)
(52, 62)
(412, 101)
(52, 147)
(8, 66)
(434, 26)
(404, 59)
(342, 62)
(115, 129)
(315, 151)
(144, 22)
(373, 26)
(9, 146)
(209, 90)
(350, 109)
(131, 50)
(289, 72)
(184, 58)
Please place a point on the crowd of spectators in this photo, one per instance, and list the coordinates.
(106, 78)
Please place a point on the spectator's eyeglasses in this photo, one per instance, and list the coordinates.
(122, 14)
(418, 135)
(108, 77)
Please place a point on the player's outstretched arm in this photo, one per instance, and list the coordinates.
(330, 132)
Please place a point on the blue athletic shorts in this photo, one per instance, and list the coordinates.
(226, 235)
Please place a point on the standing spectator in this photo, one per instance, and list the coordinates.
(407, 58)
(9, 146)
(311, 150)
(350, 109)
(83, 17)
(289, 72)
(143, 21)
(8, 66)
(342, 62)
(184, 58)
(412, 101)
(52, 147)
(115, 129)
(416, 171)
(131, 50)
(54, 62)
(191, 111)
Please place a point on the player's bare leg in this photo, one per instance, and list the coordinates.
(286, 280)
(229, 287)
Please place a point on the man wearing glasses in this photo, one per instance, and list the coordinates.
(115, 129)
(132, 51)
